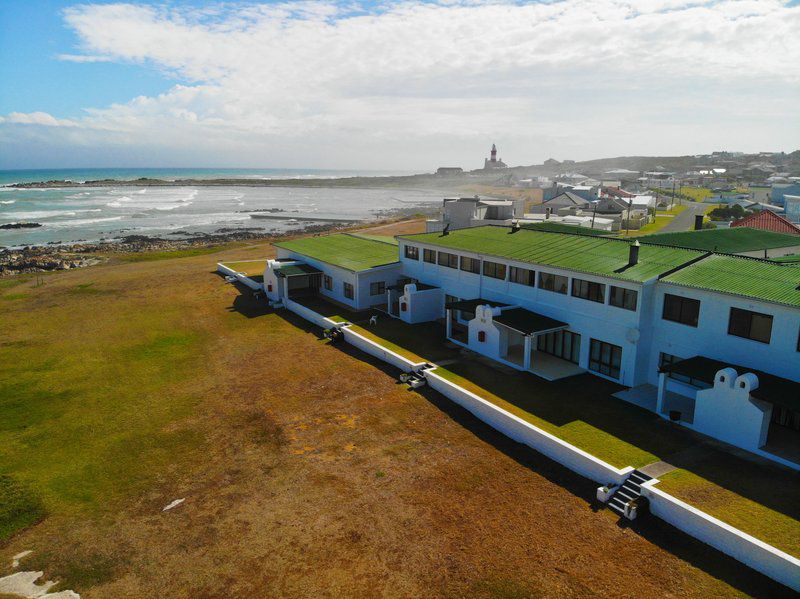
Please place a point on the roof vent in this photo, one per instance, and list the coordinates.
(633, 254)
(446, 230)
(515, 226)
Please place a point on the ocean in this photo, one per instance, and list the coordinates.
(104, 213)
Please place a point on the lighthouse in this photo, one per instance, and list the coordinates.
(493, 162)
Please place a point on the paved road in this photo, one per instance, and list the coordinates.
(685, 220)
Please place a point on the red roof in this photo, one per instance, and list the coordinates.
(766, 220)
(617, 192)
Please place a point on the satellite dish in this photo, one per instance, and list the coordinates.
(632, 335)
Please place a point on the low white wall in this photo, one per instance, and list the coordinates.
(244, 279)
(517, 429)
(380, 352)
(308, 314)
(731, 541)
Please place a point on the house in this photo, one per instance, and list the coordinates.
(350, 269)
(709, 340)
(459, 213)
(792, 208)
(565, 200)
(449, 171)
(766, 220)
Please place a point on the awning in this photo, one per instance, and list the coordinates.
(771, 388)
(470, 305)
(292, 270)
(527, 322)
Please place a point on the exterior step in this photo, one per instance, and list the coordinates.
(630, 490)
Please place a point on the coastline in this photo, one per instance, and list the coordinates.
(53, 257)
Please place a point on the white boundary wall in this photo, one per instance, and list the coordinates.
(377, 350)
(244, 279)
(517, 429)
(758, 555)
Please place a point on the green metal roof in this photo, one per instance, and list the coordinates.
(383, 238)
(291, 270)
(747, 277)
(346, 251)
(731, 241)
(555, 227)
(603, 256)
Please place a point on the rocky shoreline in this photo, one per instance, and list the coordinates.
(50, 257)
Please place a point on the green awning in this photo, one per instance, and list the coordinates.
(292, 270)
(527, 322)
(771, 388)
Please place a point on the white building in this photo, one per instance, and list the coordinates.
(460, 213)
(662, 320)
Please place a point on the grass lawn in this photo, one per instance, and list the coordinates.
(735, 490)
(248, 267)
(305, 469)
(663, 218)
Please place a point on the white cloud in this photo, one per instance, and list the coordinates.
(414, 84)
(36, 118)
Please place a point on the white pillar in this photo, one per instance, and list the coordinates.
(526, 359)
(662, 392)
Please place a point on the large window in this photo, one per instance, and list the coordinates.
(563, 344)
(377, 288)
(684, 310)
(605, 358)
(588, 290)
(448, 260)
(551, 282)
(623, 298)
(494, 270)
(470, 264)
(429, 256)
(412, 252)
(750, 325)
(523, 276)
(327, 282)
(348, 290)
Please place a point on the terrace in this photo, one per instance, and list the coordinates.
(740, 489)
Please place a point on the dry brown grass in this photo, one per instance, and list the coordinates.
(314, 473)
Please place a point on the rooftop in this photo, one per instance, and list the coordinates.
(351, 252)
(748, 277)
(731, 241)
(558, 227)
(584, 253)
(766, 220)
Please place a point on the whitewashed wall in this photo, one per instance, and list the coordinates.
(731, 541)
(243, 279)
(377, 350)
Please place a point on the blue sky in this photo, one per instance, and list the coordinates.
(396, 84)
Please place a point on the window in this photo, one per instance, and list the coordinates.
(684, 310)
(605, 358)
(412, 252)
(449, 299)
(327, 282)
(588, 290)
(551, 282)
(494, 270)
(667, 359)
(429, 256)
(470, 264)
(623, 298)
(448, 260)
(523, 276)
(750, 325)
(562, 344)
(377, 288)
(348, 290)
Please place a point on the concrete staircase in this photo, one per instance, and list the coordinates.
(630, 489)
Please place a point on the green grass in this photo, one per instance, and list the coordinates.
(84, 411)
(778, 526)
(10, 297)
(663, 218)
(19, 507)
(248, 267)
(168, 255)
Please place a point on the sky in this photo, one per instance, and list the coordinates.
(400, 85)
